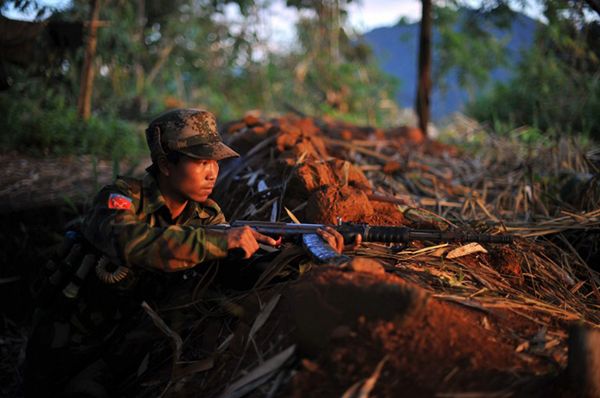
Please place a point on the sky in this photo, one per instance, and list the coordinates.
(363, 14)
(276, 23)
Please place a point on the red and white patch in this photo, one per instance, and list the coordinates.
(119, 202)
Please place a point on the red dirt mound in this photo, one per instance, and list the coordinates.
(430, 346)
(344, 323)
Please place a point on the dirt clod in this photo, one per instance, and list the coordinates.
(508, 262)
(328, 203)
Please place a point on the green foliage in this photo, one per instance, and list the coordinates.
(56, 130)
(156, 54)
(470, 43)
(334, 75)
(556, 87)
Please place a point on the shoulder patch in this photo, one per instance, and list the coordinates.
(133, 185)
(119, 202)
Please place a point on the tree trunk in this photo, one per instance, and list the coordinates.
(84, 102)
(140, 75)
(424, 84)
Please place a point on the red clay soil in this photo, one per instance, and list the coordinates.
(385, 213)
(507, 261)
(352, 205)
(313, 175)
(328, 203)
(344, 323)
(321, 187)
(431, 346)
(296, 135)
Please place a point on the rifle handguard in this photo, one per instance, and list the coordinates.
(394, 234)
(383, 234)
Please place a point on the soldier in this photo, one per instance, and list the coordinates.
(140, 230)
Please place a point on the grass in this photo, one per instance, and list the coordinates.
(57, 130)
(474, 137)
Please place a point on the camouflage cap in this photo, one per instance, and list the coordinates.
(192, 132)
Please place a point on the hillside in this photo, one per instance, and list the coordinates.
(396, 50)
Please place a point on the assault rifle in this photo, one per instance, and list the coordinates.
(322, 252)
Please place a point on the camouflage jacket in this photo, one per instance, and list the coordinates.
(131, 224)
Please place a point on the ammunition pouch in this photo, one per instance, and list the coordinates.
(77, 268)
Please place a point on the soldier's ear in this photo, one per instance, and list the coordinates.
(154, 140)
(163, 165)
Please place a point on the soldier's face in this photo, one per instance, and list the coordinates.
(194, 178)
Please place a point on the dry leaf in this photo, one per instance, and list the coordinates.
(189, 368)
(292, 216)
(522, 347)
(362, 389)
(263, 316)
(465, 250)
(258, 375)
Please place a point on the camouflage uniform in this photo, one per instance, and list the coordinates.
(130, 224)
(144, 235)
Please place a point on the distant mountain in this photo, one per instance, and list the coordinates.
(396, 50)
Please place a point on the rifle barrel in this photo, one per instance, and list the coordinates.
(384, 234)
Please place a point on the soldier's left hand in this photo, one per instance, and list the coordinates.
(336, 240)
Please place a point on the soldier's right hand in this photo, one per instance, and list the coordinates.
(247, 239)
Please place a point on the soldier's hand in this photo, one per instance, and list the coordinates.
(336, 240)
(247, 239)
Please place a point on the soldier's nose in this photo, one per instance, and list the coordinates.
(213, 170)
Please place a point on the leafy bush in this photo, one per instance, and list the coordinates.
(556, 87)
(546, 95)
(55, 129)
